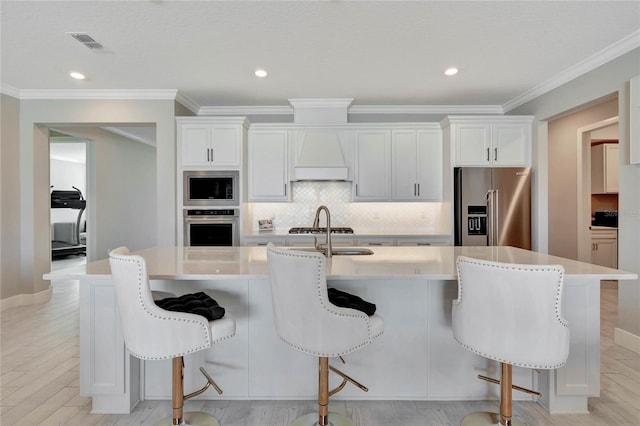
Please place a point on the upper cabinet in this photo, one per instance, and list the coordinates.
(416, 164)
(490, 141)
(211, 142)
(372, 165)
(268, 165)
(604, 168)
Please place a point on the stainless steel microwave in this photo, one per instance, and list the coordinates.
(210, 188)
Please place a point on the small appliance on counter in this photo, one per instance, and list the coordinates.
(605, 218)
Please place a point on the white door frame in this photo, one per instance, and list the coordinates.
(584, 186)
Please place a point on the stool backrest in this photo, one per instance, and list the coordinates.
(149, 331)
(304, 317)
(511, 313)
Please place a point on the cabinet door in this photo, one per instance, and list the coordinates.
(429, 169)
(604, 169)
(268, 166)
(211, 145)
(225, 145)
(472, 144)
(604, 247)
(404, 180)
(372, 166)
(510, 145)
(195, 141)
(612, 173)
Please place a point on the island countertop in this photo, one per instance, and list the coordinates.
(398, 263)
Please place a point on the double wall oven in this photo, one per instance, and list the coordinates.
(211, 202)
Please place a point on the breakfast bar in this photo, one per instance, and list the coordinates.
(415, 359)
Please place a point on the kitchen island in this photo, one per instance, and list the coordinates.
(415, 359)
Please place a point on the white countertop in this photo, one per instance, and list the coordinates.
(398, 233)
(423, 262)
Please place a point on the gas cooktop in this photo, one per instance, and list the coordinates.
(311, 230)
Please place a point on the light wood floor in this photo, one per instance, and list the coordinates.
(39, 382)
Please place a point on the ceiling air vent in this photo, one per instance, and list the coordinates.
(87, 40)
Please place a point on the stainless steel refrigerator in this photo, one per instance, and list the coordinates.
(492, 206)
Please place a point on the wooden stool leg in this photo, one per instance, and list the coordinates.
(323, 391)
(177, 390)
(505, 395)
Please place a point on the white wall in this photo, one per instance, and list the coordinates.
(9, 197)
(122, 204)
(610, 78)
(628, 234)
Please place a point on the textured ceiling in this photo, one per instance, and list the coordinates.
(378, 53)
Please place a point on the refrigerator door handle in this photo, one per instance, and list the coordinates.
(496, 215)
(489, 198)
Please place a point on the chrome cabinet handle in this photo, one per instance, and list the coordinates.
(285, 189)
(495, 154)
(415, 191)
(418, 190)
(356, 189)
(208, 156)
(487, 154)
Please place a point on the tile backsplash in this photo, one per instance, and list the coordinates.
(429, 218)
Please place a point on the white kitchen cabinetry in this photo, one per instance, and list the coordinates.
(604, 247)
(268, 165)
(416, 164)
(372, 165)
(211, 142)
(490, 141)
(604, 168)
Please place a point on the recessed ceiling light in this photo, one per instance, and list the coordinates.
(451, 71)
(261, 73)
(76, 75)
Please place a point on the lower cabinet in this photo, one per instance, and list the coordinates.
(604, 247)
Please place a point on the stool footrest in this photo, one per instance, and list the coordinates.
(518, 388)
(345, 379)
(210, 382)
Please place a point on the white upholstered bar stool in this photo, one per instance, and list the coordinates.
(308, 322)
(152, 333)
(510, 313)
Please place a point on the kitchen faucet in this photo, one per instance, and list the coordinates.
(316, 224)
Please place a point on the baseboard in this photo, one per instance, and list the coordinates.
(626, 340)
(26, 299)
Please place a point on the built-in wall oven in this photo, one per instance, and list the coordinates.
(204, 227)
(210, 188)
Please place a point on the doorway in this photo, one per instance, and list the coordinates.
(585, 137)
(119, 185)
(68, 213)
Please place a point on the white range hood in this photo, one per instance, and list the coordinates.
(319, 152)
(320, 157)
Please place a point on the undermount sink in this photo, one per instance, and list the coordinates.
(340, 251)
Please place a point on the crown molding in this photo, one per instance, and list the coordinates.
(321, 103)
(9, 90)
(121, 132)
(246, 110)
(99, 94)
(425, 109)
(188, 103)
(600, 58)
